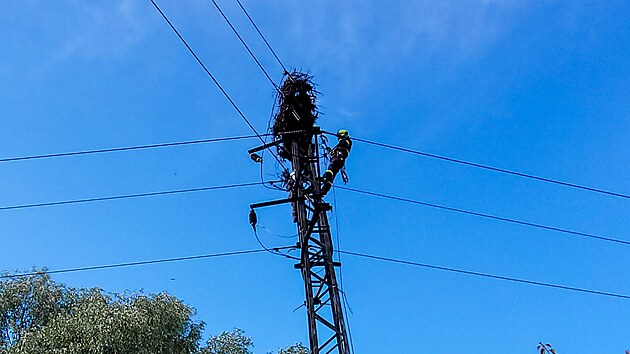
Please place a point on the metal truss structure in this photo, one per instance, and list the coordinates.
(326, 325)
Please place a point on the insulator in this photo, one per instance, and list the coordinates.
(253, 218)
(255, 157)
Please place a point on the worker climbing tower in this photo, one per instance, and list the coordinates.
(297, 141)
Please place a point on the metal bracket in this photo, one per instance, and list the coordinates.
(319, 264)
(264, 146)
(276, 202)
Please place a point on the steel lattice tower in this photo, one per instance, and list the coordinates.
(327, 331)
(298, 141)
(326, 325)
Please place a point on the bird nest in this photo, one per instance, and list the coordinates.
(296, 110)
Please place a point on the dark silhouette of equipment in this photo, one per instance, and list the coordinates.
(297, 140)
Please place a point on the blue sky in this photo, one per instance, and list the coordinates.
(540, 87)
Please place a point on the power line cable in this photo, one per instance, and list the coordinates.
(263, 37)
(276, 87)
(275, 233)
(140, 263)
(486, 275)
(253, 221)
(380, 195)
(239, 185)
(272, 250)
(129, 196)
(127, 148)
(245, 45)
(488, 216)
(216, 82)
(492, 168)
(356, 254)
(234, 138)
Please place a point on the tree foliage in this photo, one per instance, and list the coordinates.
(38, 315)
(297, 348)
(27, 304)
(229, 342)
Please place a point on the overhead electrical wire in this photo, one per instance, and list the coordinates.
(243, 137)
(216, 82)
(492, 168)
(127, 148)
(245, 45)
(263, 37)
(271, 232)
(488, 216)
(253, 221)
(129, 196)
(141, 263)
(360, 191)
(272, 250)
(350, 253)
(240, 38)
(485, 275)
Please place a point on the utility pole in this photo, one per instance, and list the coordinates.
(298, 141)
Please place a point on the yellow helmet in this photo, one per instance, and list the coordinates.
(342, 133)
